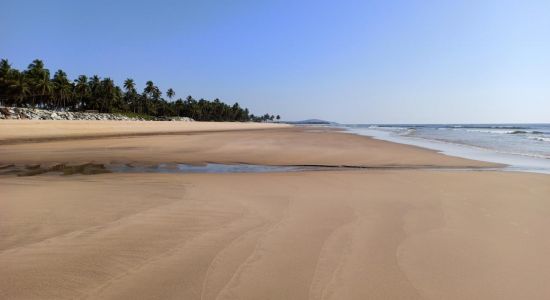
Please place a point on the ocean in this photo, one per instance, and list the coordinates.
(524, 147)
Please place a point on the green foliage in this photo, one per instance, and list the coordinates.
(35, 87)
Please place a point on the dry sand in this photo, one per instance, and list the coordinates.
(274, 144)
(35, 130)
(366, 234)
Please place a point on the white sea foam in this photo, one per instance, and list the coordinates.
(492, 131)
(523, 147)
(540, 139)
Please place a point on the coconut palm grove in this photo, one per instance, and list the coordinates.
(35, 87)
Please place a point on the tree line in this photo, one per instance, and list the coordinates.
(35, 87)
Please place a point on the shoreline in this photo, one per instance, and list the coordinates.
(381, 232)
(73, 142)
(513, 162)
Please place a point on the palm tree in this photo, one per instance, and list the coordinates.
(81, 89)
(151, 92)
(37, 76)
(94, 81)
(62, 88)
(108, 95)
(149, 87)
(36, 68)
(147, 92)
(129, 85)
(43, 87)
(156, 93)
(35, 87)
(131, 94)
(5, 68)
(170, 93)
(94, 88)
(20, 88)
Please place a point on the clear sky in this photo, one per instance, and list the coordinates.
(346, 61)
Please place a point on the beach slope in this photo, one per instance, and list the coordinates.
(401, 231)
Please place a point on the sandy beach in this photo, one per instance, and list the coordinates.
(415, 224)
(35, 142)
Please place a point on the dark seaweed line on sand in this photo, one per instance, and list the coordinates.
(94, 168)
(395, 167)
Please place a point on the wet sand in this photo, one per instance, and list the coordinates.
(270, 144)
(360, 234)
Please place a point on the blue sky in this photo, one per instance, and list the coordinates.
(346, 61)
